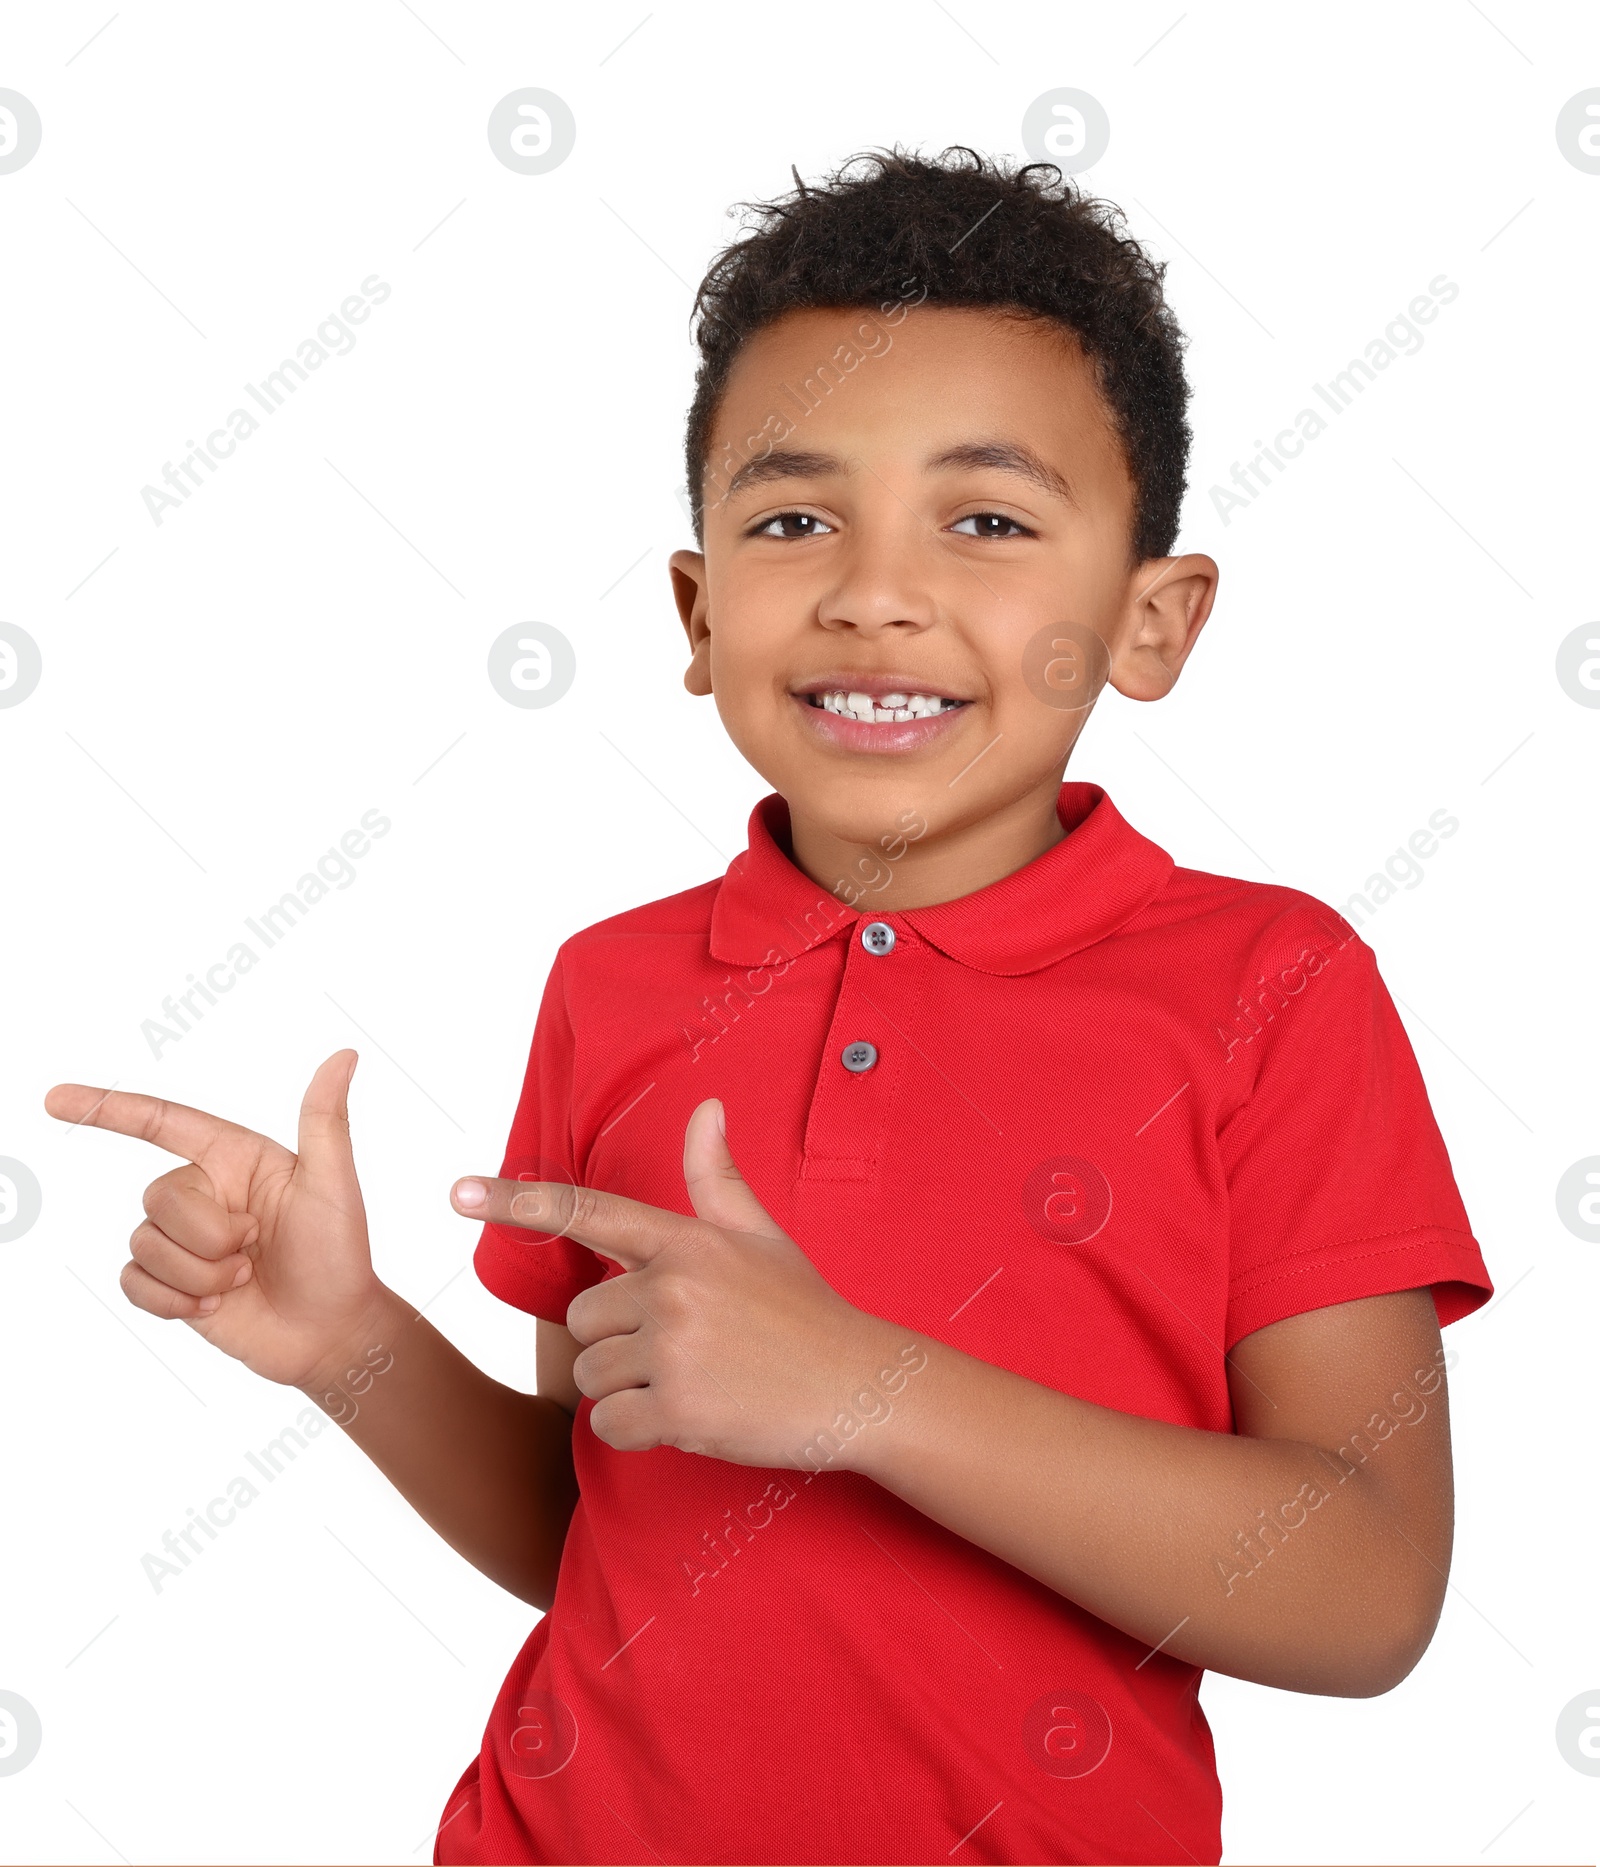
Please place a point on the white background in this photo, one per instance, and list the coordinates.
(226, 693)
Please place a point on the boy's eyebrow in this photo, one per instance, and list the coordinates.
(784, 464)
(1004, 456)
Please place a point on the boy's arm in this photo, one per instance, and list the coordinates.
(557, 1348)
(1262, 1553)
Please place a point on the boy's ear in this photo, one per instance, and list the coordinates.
(688, 570)
(1169, 600)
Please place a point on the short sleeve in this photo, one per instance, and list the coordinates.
(1339, 1184)
(528, 1269)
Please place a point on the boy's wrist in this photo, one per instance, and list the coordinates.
(363, 1353)
(875, 1414)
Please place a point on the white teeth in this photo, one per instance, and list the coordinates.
(862, 706)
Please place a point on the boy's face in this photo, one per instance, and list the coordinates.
(919, 519)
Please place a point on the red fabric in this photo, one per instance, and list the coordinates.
(1123, 1114)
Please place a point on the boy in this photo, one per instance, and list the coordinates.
(1070, 1320)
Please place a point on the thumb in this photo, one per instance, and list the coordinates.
(327, 1165)
(717, 1190)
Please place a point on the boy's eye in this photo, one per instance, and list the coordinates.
(991, 525)
(792, 525)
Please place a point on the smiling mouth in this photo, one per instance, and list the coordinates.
(882, 708)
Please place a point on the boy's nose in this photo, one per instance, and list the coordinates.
(889, 583)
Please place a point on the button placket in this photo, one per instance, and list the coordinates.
(862, 1060)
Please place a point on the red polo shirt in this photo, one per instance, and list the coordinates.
(1182, 1107)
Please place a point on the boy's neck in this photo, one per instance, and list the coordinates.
(938, 866)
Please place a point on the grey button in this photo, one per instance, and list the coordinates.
(878, 937)
(858, 1056)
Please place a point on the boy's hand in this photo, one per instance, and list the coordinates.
(721, 1337)
(261, 1251)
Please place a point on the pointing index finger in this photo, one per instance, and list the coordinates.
(171, 1125)
(624, 1229)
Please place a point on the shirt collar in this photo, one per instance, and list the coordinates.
(1097, 877)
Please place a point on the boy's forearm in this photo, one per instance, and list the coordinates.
(488, 1467)
(1139, 1521)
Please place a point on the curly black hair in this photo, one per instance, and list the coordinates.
(972, 232)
